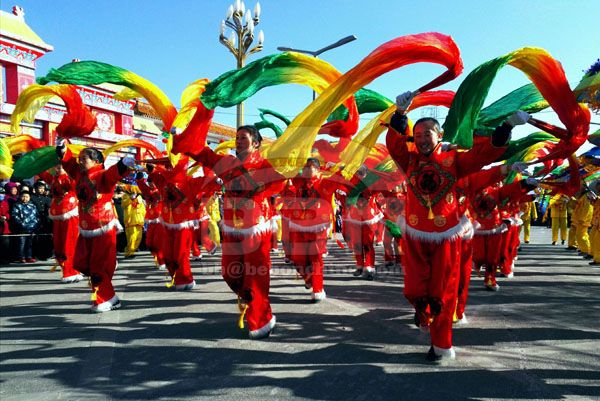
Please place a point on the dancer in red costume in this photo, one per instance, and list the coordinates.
(201, 233)
(287, 197)
(363, 218)
(433, 227)
(65, 220)
(178, 217)
(392, 208)
(155, 231)
(96, 250)
(310, 218)
(488, 239)
(467, 188)
(246, 262)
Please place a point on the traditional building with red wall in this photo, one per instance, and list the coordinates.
(118, 120)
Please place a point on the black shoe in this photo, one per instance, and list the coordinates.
(370, 276)
(594, 263)
(562, 242)
(357, 272)
(571, 248)
(588, 256)
(431, 355)
(553, 242)
(416, 321)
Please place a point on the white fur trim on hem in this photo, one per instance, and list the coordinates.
(309, 229)
(101, 230)
(318, 296)
(274, 225)
(445, 352)
(178, 226)
(374, 220)
(263, 330)
(498, 230)
(370, 269)
(469, 231)
(450, 234)
(152, 221)
(65, 216)
(259, 228)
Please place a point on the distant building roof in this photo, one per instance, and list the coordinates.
(13, 26)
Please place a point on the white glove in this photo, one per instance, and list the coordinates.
(175, 131)
(218, 181)
(403, 101)
(519, 117)
(532, 181)
(329, 165)
(128, 161)
(518, 167)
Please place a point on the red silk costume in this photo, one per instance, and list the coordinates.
(96, 250)
(246, 242)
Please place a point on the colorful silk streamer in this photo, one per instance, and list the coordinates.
(264, 123)
(293, 148)
(233, 87)
(135, 143)
(6, 161)
(35, 162)
(545, 73)
(367, 101)
(588, 89)
(95, 73)
(356, 152)
(78, 121)
(22, 143)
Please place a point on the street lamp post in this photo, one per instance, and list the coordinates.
(316, 53)
(242, 23)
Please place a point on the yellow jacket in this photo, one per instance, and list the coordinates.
(212, 208)
(529, 211)
(559, 206)
(134, 211)
(582, 214)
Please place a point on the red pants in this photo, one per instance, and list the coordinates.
(246, 268)
(391, 248)
(487, 250)
(509, 248)
(202, 237)
(176, 247)
(466, 262)
(154, 239)
(431, 284)
(97, 257)
(307, 255)
(363, 237)
(64, 235)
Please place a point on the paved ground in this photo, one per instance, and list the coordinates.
(538, 338)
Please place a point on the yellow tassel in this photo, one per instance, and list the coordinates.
(172, 283)
(94, 296)
(430, 214)
(90, 282)
(53, 268)
(455, 318)
(242, 315)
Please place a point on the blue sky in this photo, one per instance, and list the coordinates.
(173, 43)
